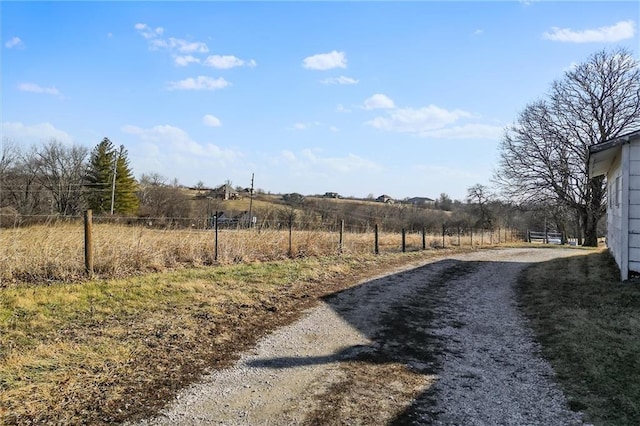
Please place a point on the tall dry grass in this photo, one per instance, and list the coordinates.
(56, 252)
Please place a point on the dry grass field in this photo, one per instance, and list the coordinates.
(44, 254)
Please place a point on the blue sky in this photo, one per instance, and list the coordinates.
(401, 98)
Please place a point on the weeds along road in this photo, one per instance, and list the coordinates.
(441, 344)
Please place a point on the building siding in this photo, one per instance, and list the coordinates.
(614, 211)
(634, 207)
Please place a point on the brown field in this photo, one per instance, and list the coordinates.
(55, 253)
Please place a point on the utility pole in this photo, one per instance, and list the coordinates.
(251, 203)
(113, 186)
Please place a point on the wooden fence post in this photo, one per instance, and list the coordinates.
(88, 242)
(443, 231)
(290, 237)
(424, 238)
(341, 235)
(215, 230)
(404, 240)
(471, 235)
(458, 235)
(376, 240)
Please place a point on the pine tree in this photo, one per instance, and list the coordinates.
(100, 176)
(126, 200)
(100, 180)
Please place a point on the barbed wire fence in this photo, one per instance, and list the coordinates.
(66, 248)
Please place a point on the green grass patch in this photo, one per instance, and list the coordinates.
(588, 324)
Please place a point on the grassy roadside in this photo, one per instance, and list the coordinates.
(102, 352)
(588, 324)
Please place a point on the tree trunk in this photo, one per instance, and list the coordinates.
(594, 212)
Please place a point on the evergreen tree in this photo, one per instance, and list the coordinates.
(100, 176)
(126, 200)
(100, 180)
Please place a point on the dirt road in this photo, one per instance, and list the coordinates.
(441, 344)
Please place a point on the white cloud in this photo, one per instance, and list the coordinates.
(325, 61)
(170, 139)
(342, 108)
(288, 155)
(182, 46)
(211, 121)
(479, 31)
(312, 162)
(172, 44)
(419, 121)
(466, 131)
(34, 88)
(305, 126)
(227, 61)
(334, 129)
(339, 80)
(198, 83)
(184, 60)
(379, 101)
(347, 164)
(109, 35)
(26, 135)
(621, 31)
(14, 42)
(148, 32)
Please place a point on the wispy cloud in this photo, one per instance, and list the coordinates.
(312, 161)
(419, 120)
(176, 46)
(30, 134)
(435, 122)
(621, 31)
(227, 61)
(198, 83)
(147, 32)
(479, 31)
(35, 88)
(379, 101)
(14, 42)
(180, 45)
(339, 80)
(174, 139)
(211, 121)
(305, 126)
(325, 61)
(184, 60)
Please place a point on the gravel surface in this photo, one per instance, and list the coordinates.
(443, 343)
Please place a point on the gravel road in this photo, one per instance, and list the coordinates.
(441, 343)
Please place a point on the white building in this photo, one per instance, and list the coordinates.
(619, 160)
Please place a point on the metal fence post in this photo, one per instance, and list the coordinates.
(88, 242)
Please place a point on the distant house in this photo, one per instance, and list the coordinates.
(619, 160)
(421, 201)
(224, 219)
(385, 199)
(225, 192)
(331, 195)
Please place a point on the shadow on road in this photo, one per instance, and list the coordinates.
(399, 314)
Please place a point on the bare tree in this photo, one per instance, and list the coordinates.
(61, 170)
(543, 156)
(161, 200)
(478, 196)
